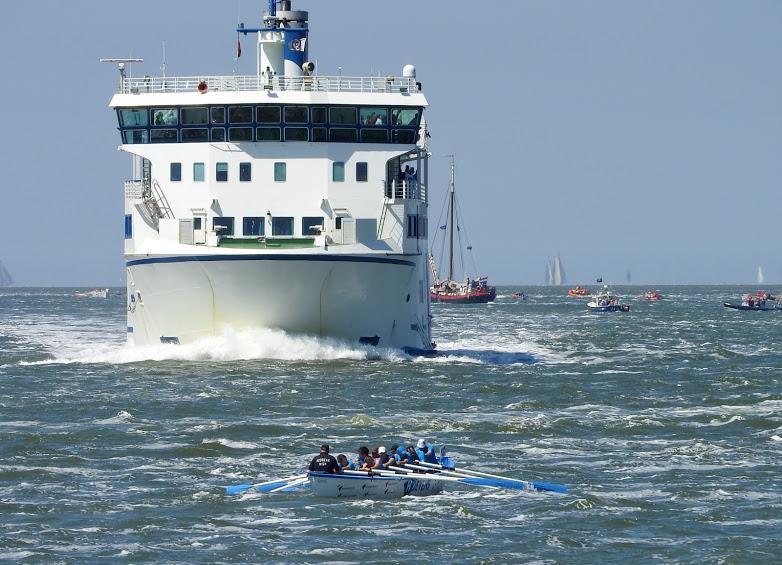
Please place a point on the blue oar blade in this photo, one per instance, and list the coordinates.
(271, 486)
(499, 483)
(236, 489)
(552, 487)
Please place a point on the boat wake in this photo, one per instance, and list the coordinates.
(230, 345)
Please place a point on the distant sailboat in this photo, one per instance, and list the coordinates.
(558, 275)
(5, 277)
(549, 274)
(761, 277)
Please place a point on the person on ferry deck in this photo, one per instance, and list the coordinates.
(324, 462)
(425, 452)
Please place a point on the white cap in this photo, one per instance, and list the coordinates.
(381, 449)
(421, 443)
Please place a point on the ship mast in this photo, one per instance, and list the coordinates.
(451, 223)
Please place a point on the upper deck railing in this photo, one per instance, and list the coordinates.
(235, 83)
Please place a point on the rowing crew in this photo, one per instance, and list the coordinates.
(378, 459)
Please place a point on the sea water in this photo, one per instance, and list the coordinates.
(664, 422)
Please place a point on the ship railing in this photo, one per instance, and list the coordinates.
(235, 83)
(134, 189)
(408, 188)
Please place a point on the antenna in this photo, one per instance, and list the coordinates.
(163, 66)
(121, 66)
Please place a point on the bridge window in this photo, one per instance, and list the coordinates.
(218, 115)
(195, 116)
(240, 114)
(374, 116)
(320, 134)
(296, 114)
(245, 172)
(296, 134)
(128, 226)
(282, 226)
(403, 136)
(221, 172)
(280, 172)
(223, 226)
(135, 136)
(404, 117)
(218, 134)
(312, 225)
(362, 171)
(342, 115)
(268, 134)
(163, 136)
(133, 117)
(343, 135)
(164, 117)
(252, 226)
(374, 135)
(240, 134)
(176, 172)
(198, 172)
(338, 171)
(268, 114)
(195, 135)
(318, 115)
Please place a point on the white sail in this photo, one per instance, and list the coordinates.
(549, 274)
(761, 278)
(558, 276)
(5, 277)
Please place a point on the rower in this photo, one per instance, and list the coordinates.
(324, 463)
(425, 452)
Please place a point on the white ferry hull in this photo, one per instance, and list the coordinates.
(374, 299)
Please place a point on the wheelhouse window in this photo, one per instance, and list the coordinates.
(318, 115)
(245, 172)
(280, 172)
(198, 172)
(268, 114)
(218, 134)
(404, 116)
(362, 171)
(267, 134)
(194, 116)
(223, 225)
(312, 225)
(195, 135)
(403, 136)
(282, 226)
(320, 134)
(176, 172)
(221, 172)
(296, 134)
(338, 171)
(164, 117)
(135, 136)
(240, 134)
(133, 117)
(163, 136)
(374, 135)
(252, 225)
(342, 115)
(240, 114)
(343, 135)
(374, 116)
(296, 115)
(217, 115)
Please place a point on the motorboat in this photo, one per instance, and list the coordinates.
(579, 292)
(605, 301)
(95, 293)
(651, 296)
(754, 303)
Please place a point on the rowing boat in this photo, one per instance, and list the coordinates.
(345, 485)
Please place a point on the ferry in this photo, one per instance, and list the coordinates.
(285, 199)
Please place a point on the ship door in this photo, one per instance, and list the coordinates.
(345, 230)
(199, 227)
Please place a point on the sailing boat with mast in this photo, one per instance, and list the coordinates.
(5, 277)
(468, 291)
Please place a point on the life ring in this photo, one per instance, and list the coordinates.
(203, 87)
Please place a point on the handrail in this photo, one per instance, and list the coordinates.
(235, 83)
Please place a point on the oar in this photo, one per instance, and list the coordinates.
(263, 487)
(551, 487)
(475, 481)
(290, 486)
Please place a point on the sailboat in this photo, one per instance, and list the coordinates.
(558, 276)
(468, 291)
(5, 277)
(761, 277)
(549, 274)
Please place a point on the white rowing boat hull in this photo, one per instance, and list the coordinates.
(353, 486)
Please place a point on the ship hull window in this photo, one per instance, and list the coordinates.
(134, 117)
(267, 134)
(362, 171)
(296, 115)
(268, 114)
(164, 117)
(221, 172)
(280, 172)
(282, 226)
(374, 135)
(320, 134)
(194, 116)
(198, 172)
(218, 134)
(342, 135)
(312, 225)
(128, 226)
(296, 134)
(240, 134)
(135, 136)
(163, 136)
(195, 135)
(223, 226)
(338, 171)
(240, 114)
(252, 226)
(176, 172)
(245, 172)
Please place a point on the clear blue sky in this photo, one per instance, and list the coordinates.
(623, 135)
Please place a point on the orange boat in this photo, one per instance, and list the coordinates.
(652, 295)
(579, 292)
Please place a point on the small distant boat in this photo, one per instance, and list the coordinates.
(754, 303)
(651, 296)
(95, 293)
(607, 302)
(579, 292)
(519, 295)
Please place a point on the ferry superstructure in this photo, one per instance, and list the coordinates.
(283, 200)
